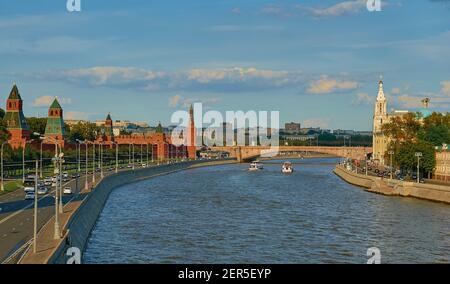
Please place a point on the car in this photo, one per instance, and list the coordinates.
(67, 190)
(28, 189)
(65, 174)
(42, 190)
(29, 195)
(129, 166)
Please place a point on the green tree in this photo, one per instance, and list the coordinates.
(435, 134)
(36, 125)
(402, 128)
(83, 131)
(405, 157)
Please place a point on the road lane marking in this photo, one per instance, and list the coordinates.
(29, 205)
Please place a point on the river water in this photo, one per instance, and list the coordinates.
(225, 214)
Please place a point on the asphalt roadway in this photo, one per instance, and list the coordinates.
(16, 214)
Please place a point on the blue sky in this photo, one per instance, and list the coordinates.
(317, 62)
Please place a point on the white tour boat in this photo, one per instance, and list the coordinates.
(256, 166)
(287, 168)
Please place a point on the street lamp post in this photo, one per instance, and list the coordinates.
(40, 167)
(153, 157)
(444, 157)
(61, 156)
(117, 156)
(133, 154)
(57, 232)
(366, 165)
(147, 155)
(418, 155)
(2, 184)
(79, 156)
(141, 155)
(86, 183)
(23, 159)
(391, 153)
(93, 163)
(101, 159)
(35, 209)
(129, 154)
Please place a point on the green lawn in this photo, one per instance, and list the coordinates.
(11, 186)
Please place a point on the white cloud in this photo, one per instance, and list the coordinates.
(363, 99)
(173, 101)
(76, 115)
(415, 101)
(272, 9)
(237, 79)
(339, 9)
(177, 100)
(236, 10)
(316, 122)
(395, 91)
(242, 28)
(325, 86)
(46, 101)
(445, 88)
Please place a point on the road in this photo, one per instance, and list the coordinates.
(16, 215)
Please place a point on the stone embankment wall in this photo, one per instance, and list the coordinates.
(438, 193)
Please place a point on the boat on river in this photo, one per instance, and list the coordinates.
(287, 168)
(256, 166)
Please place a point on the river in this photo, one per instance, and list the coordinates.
(225, 214)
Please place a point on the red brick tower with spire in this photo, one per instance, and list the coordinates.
(15, 120)
(191, 149)
(108, 135)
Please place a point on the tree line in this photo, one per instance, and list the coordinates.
(411, 133)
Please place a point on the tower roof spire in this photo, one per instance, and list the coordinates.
(14, 94)
(55, 104)
(380, 90)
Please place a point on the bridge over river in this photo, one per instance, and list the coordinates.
(245, 153)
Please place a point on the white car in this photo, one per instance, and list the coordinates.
(29, 195)
(42, 190)
(28, 189)
(67, 190)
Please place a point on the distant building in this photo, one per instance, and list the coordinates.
(442, 164)
(299, 137)
(310, 129)
(72, 122)
(344, 132)
(292, 127)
